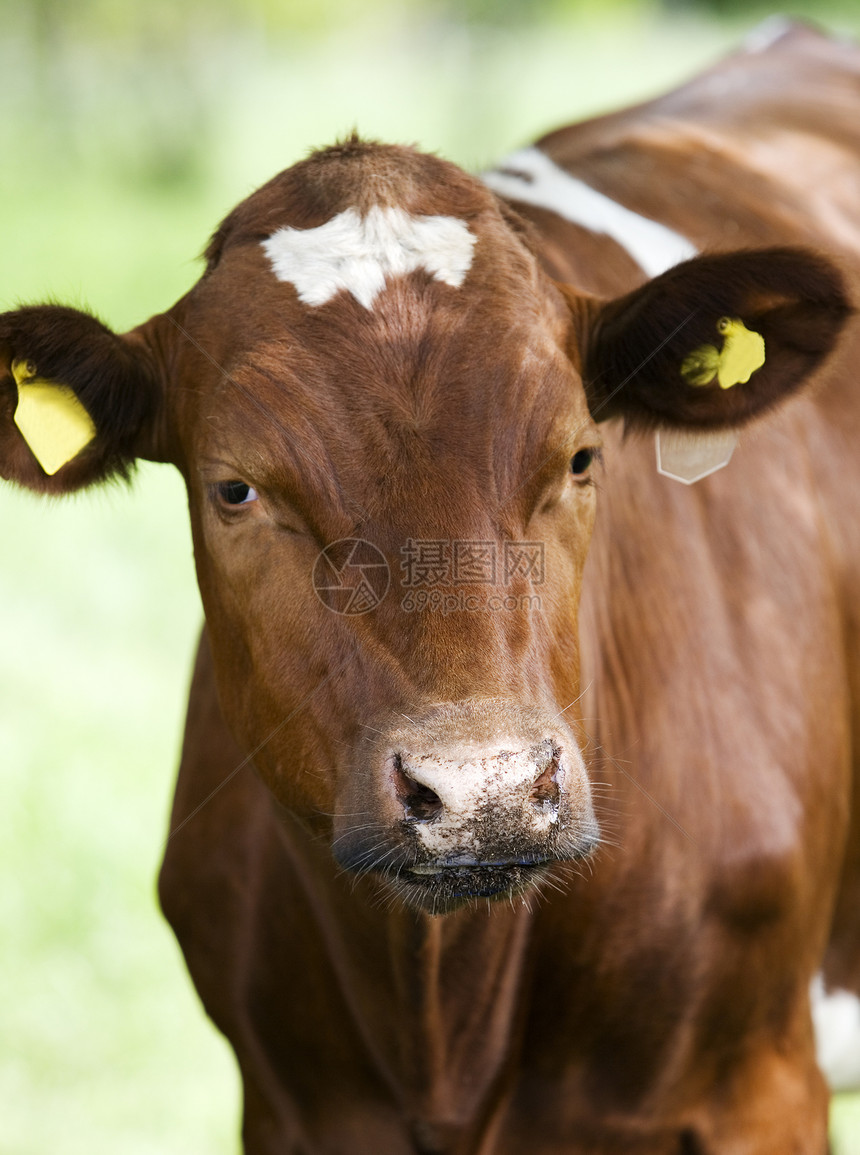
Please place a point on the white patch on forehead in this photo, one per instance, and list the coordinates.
(836, 1017)
(358, 253)
(531, 177)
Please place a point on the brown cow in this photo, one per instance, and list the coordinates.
(384, 395)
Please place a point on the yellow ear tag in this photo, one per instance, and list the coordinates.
(52, 420)
(742, 353)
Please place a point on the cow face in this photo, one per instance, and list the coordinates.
(385, 414)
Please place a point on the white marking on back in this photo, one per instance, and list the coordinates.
(653, 246)
(836, 1017)
(771, 29)
(358, 253)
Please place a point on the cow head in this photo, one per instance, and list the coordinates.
(387, 418)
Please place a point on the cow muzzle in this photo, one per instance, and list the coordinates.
(478, 799)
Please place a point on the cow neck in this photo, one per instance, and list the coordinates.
(437, 1001)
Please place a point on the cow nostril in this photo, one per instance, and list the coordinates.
(545, 792)
(420, 803)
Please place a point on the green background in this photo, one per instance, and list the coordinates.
(125, 134)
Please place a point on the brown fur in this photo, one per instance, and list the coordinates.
(654, 1001)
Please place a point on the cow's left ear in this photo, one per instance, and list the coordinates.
(77, 402)
(713, 342)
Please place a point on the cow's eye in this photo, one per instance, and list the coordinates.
(235, 492)
(581, 461)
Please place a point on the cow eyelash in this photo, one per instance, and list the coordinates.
(235, 493)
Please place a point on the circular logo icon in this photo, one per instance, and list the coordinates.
(351, 576)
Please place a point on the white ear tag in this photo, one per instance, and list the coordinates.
(687, 456)
(51, 418)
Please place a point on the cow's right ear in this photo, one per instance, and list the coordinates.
(78, 403)
(714, 342)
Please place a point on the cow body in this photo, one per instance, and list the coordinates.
(650, 995)
(659, 1003)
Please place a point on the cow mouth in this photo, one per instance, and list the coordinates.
(442, 888)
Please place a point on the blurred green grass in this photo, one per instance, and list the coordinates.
(122, 146)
